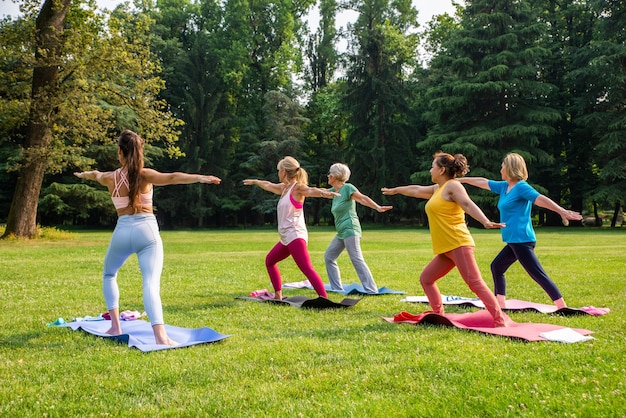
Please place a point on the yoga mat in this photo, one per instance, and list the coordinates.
(303, 301)
(348, 289)
(139, 334)
(514, 305)
(481, 321)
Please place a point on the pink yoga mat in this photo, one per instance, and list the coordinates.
(481, 321)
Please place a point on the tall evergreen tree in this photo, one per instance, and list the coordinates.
(189, 45)
(570, 173)
(380, 142)
(487, 97)
(326, 132)
(600, 110)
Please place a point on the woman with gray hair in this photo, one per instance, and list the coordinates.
(348, 228)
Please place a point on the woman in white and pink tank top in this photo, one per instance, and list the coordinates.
(292, 230)
(137, 231)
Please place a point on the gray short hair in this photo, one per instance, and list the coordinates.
(339, 171)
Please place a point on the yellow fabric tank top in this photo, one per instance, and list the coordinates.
(446, 221)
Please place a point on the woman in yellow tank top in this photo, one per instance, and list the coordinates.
(453, 244)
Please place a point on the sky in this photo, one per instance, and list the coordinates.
(426, 8)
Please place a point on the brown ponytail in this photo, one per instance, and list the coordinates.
(131, 146)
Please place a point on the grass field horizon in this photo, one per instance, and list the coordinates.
(283, 361)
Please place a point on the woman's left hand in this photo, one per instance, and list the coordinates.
(494, 225)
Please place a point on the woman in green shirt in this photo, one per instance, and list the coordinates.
(348, 229)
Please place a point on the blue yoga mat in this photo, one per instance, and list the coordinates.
(357, 289)
(139, 334)
(348, 289)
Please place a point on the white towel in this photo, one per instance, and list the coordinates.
(565, 335)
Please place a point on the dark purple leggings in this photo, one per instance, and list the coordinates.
(523, 252)
(298, 250)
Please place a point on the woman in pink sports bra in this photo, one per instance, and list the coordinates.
(293, 189)
(137, 231)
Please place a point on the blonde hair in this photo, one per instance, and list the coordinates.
(515, 166)
(293, 170)
(339, 171)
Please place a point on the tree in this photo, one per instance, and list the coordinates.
(600, 108)
(486, 98)
(49, 28)
(187, 38)
(259, 56)
(326, 132)
(90, 79)
(380, 142)
(569, 172)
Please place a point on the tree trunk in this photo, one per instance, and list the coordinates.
(618, 206)
(22, 219)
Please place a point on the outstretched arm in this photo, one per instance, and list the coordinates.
(420, 192)
(458, 194)
(92, 175)
(367, 201)
(276, 188)
(303, 190)
(481, 182)
(566, 215)
(164, 179)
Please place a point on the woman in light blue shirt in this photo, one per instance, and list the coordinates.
(348, 228)
(515, 205)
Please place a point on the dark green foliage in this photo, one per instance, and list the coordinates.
(76, 204)
(251, 84)
(486, 100)
(380, 138)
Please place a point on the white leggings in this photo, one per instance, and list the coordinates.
(136, 234)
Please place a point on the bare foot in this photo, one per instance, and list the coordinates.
(114, 331)
(278, 295)
(160, 336)
(503, 322)
(167, 341)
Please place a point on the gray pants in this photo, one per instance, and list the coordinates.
(353, 245)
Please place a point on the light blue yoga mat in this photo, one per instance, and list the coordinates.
(355, 288)
(139, 334)
(348, 289)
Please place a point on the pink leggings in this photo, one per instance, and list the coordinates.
(298, 250)
(463, 259)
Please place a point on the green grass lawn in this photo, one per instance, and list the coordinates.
(283, 361)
